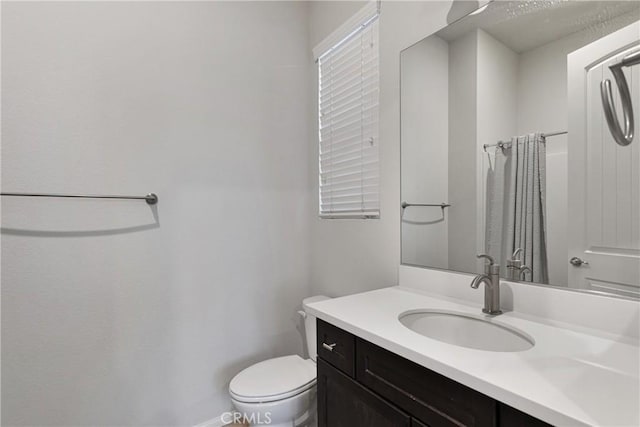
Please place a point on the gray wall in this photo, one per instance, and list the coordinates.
(463, 101)
(117, 314)
(424, 105)
(351, 256)
(114, 313)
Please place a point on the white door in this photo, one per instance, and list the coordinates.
(604, 178)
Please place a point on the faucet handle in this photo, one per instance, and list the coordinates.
(491, 267)
(523, 270)
(488, 257)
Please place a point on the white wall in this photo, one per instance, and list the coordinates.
(114, 313)
(463, 114)
(350, 256)
(496, 118)
(424, 98)
(542, 107)
(482, 110)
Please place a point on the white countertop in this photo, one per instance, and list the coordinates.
(568, 378)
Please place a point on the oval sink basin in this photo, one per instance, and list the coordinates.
(466, 330)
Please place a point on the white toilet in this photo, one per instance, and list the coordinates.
(280, 392)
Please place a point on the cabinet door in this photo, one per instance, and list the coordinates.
(344, 403)
(510, 417)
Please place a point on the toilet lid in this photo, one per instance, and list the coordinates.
(273, 379)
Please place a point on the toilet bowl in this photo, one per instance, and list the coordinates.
(280, 392)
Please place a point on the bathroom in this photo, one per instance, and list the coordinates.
(142, 312)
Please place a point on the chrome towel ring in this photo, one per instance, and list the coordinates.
(622, 137)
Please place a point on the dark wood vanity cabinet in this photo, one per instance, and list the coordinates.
(363, 385)
(426, 395)
(342, 402)
(510, 417)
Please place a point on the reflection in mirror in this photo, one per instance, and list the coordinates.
(506, 147)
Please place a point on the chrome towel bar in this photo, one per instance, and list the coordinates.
(440, 205)
(150, 198)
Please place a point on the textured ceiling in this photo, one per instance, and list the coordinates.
(526, 25)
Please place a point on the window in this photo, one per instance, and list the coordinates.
(348, 90)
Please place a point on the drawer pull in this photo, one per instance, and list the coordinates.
(328, 346)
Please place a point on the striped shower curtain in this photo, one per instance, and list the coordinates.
(516, 190)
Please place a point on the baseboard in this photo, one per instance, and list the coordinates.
(214, 422)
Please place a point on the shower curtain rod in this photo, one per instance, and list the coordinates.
(507, 144)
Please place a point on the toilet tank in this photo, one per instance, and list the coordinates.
(310, 325)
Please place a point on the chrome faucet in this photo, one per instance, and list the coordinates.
(491, 280)
(516, 269)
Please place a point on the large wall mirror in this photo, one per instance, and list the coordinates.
(514, 144)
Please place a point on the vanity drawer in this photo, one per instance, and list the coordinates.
(336, 347)
(430, 397)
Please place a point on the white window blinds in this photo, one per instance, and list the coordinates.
(348, 124)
